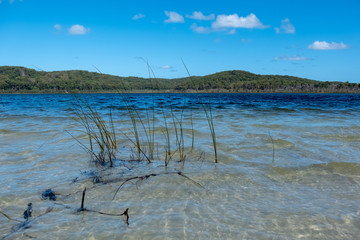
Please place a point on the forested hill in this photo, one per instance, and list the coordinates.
(25, 80)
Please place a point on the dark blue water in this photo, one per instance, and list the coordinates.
(31, 103)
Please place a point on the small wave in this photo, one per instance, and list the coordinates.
(311, 109)
(278, 143)
(345, 168)
(7, 131)
(280, 109)
(342, 137)
(341, 168)
(271, 126)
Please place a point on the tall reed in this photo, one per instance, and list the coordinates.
(208, 114)
(178, 126)
(273, 149)
(179, 135)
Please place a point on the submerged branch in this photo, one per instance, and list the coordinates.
(125, 214)
(144, 177)
(9, 218)
(83, 209)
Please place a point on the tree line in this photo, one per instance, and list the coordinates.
(25, 80)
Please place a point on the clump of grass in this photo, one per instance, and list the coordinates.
(177, 124)
(101, 134)
(103, 144)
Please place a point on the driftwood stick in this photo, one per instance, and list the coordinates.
(194, 182)
(83, 209)
(6, 215)
(144, 177)
(132, 178)
(125, 213)
(83, 200)
(10, 219)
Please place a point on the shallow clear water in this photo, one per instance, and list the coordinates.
(309, 189)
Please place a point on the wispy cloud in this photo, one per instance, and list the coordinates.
(199, 29)
(291, 58)
(138, 16)
(200, 16)
(234, 21)
(286, 27)
(78, 30)
(58, 27)
(10, 1)
(173, 17)
(165, 67)
(317, 45)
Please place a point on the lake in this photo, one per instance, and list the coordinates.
(288, 167)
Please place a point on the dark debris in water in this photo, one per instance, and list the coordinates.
(28, 212)
(48, 194)
(23, 225)
(51, 195)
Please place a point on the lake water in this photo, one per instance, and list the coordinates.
(288, 167)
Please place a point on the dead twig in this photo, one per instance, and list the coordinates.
(83, 209)
(194, 182)
(82, 200)
(5, 215)
(144, 177)
(125, 213)
(132, 178)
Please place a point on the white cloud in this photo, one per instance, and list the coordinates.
(317, 45)
(58, 27)
(166, 67)
(292, 58)
(234, 21)
(138, 16)
(78, 30)
(199, 29)
(201, 16)
(231, 32)
(286, 27)
(174, 17)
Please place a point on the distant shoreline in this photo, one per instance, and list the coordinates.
(213, 91)
(20, 80)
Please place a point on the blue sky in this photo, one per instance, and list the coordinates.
(312, 39)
